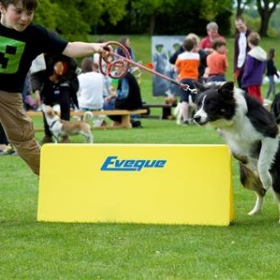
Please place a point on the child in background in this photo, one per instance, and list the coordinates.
(271, 70)
(217, 62)
(254, 67)
(186, 66)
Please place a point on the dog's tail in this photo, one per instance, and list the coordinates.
(87, 116)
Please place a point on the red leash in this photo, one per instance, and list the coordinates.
(126, 61)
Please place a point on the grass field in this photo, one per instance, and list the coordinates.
(248, 249)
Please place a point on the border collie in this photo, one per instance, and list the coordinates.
(275, 108)
(251, 133)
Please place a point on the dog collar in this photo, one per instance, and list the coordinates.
(53, 123)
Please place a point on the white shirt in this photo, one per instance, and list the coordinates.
(91, 88)
(242, 44)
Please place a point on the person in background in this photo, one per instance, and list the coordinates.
(91, 86)
(125, 41)
(187, 70)
(126, 97)
(202, 55)
(58, 85)
(254, 67)
(212, 35)
(241, 48)
(217, 62)
(271, 71)
(21, 42)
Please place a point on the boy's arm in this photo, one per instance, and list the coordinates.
(82, 49)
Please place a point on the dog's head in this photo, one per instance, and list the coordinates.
(48, 111)
(216, 104)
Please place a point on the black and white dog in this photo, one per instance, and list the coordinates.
(275, 108)
(251, 133)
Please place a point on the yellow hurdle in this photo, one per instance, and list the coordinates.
(136, 183)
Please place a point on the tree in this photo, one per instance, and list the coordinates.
(152, 8)
(241, 5)
(210, 9)
(266, 9)
(47, 14)
(75, 19)
(177, 14)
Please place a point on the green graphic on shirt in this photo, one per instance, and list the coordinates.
(10, 55)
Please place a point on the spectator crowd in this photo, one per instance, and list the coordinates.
(58, 80)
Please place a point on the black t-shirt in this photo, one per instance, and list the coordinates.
(19, 49)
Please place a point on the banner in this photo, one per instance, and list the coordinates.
(163, 47)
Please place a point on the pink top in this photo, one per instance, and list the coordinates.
(206, 42)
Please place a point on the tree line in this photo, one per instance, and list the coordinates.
(76, 19)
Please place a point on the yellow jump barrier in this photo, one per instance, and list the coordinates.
(136, 183)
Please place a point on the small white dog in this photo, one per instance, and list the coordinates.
(60, 127)
(179, 111)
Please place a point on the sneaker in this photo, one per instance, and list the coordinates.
(185, 123)
(65, 139)
(47, 139)
(9, 151)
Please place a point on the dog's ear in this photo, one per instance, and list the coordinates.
(226, 92)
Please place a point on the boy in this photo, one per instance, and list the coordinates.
(186, 66)
(254, 67)
(217, 62)
(20, 43)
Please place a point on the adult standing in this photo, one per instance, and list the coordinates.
(59, 87)
(212, 29)
(241, 48)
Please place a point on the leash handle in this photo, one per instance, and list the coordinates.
(111, 62)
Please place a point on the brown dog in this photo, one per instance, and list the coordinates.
(60, 127)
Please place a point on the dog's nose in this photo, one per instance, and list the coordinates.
(196, 118)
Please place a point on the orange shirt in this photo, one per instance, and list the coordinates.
(217, 63)
(187, 65)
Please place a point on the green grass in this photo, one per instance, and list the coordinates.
(32, 250)
(248, 249)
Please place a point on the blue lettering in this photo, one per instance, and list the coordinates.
(139, 164)
(119, 163)
(129, 163)
(148, 163)
(112, 163)
(160, 163)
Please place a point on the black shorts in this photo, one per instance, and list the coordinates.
(187, 95)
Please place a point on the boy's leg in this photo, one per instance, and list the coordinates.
(19, 129)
